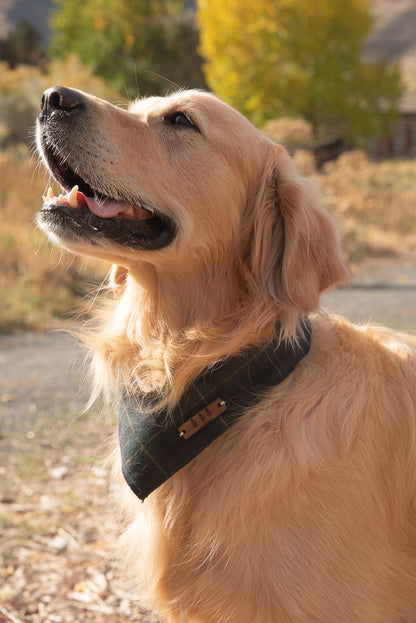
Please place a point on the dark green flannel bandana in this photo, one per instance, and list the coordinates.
(155, 445)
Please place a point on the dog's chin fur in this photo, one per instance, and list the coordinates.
(304, 510)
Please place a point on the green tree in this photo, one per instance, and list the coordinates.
(135, 45)
(300, 58)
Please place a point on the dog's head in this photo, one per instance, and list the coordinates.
(187, 185)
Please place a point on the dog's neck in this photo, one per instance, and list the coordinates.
(163, 330)
(175, 300)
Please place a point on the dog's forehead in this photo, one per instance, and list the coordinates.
(145, 105)
(203, 105)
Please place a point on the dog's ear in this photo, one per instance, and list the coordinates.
(118, 276)
(295, 251)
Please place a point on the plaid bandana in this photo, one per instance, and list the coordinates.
(155, 446)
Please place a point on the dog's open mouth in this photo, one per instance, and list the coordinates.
(84, 212)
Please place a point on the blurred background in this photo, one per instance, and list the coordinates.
(333, 81)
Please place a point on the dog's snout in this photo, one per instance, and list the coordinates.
(61, 99)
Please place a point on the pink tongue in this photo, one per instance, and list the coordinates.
(110, 208)
(106, 209)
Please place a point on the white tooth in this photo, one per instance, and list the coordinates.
(49, 195)
(72, 197)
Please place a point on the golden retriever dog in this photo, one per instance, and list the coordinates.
(303, 507)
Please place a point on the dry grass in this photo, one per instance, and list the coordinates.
(292, 132)
(374, 205)
(40, 285)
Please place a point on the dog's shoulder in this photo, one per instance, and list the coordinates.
(368, 346)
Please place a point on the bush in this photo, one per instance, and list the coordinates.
(39, 284)
(21, 89)
(292, 133)
(19, 102)
(373, 203)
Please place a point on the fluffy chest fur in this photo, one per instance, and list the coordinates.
(304, 510)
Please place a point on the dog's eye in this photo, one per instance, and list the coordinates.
(180, 119)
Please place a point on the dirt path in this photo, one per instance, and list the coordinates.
(56, 522)
(384, 293)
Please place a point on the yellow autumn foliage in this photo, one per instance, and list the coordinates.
(272, 58)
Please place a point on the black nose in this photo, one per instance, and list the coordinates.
(61, 99)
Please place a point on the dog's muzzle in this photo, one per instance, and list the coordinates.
(89, 209)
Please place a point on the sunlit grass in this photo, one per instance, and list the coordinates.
(373, 203)
(40, 285)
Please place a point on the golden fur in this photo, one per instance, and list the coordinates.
(305, 509)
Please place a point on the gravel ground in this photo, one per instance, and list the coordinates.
(56, 519)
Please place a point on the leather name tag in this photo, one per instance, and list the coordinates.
(202, 418)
